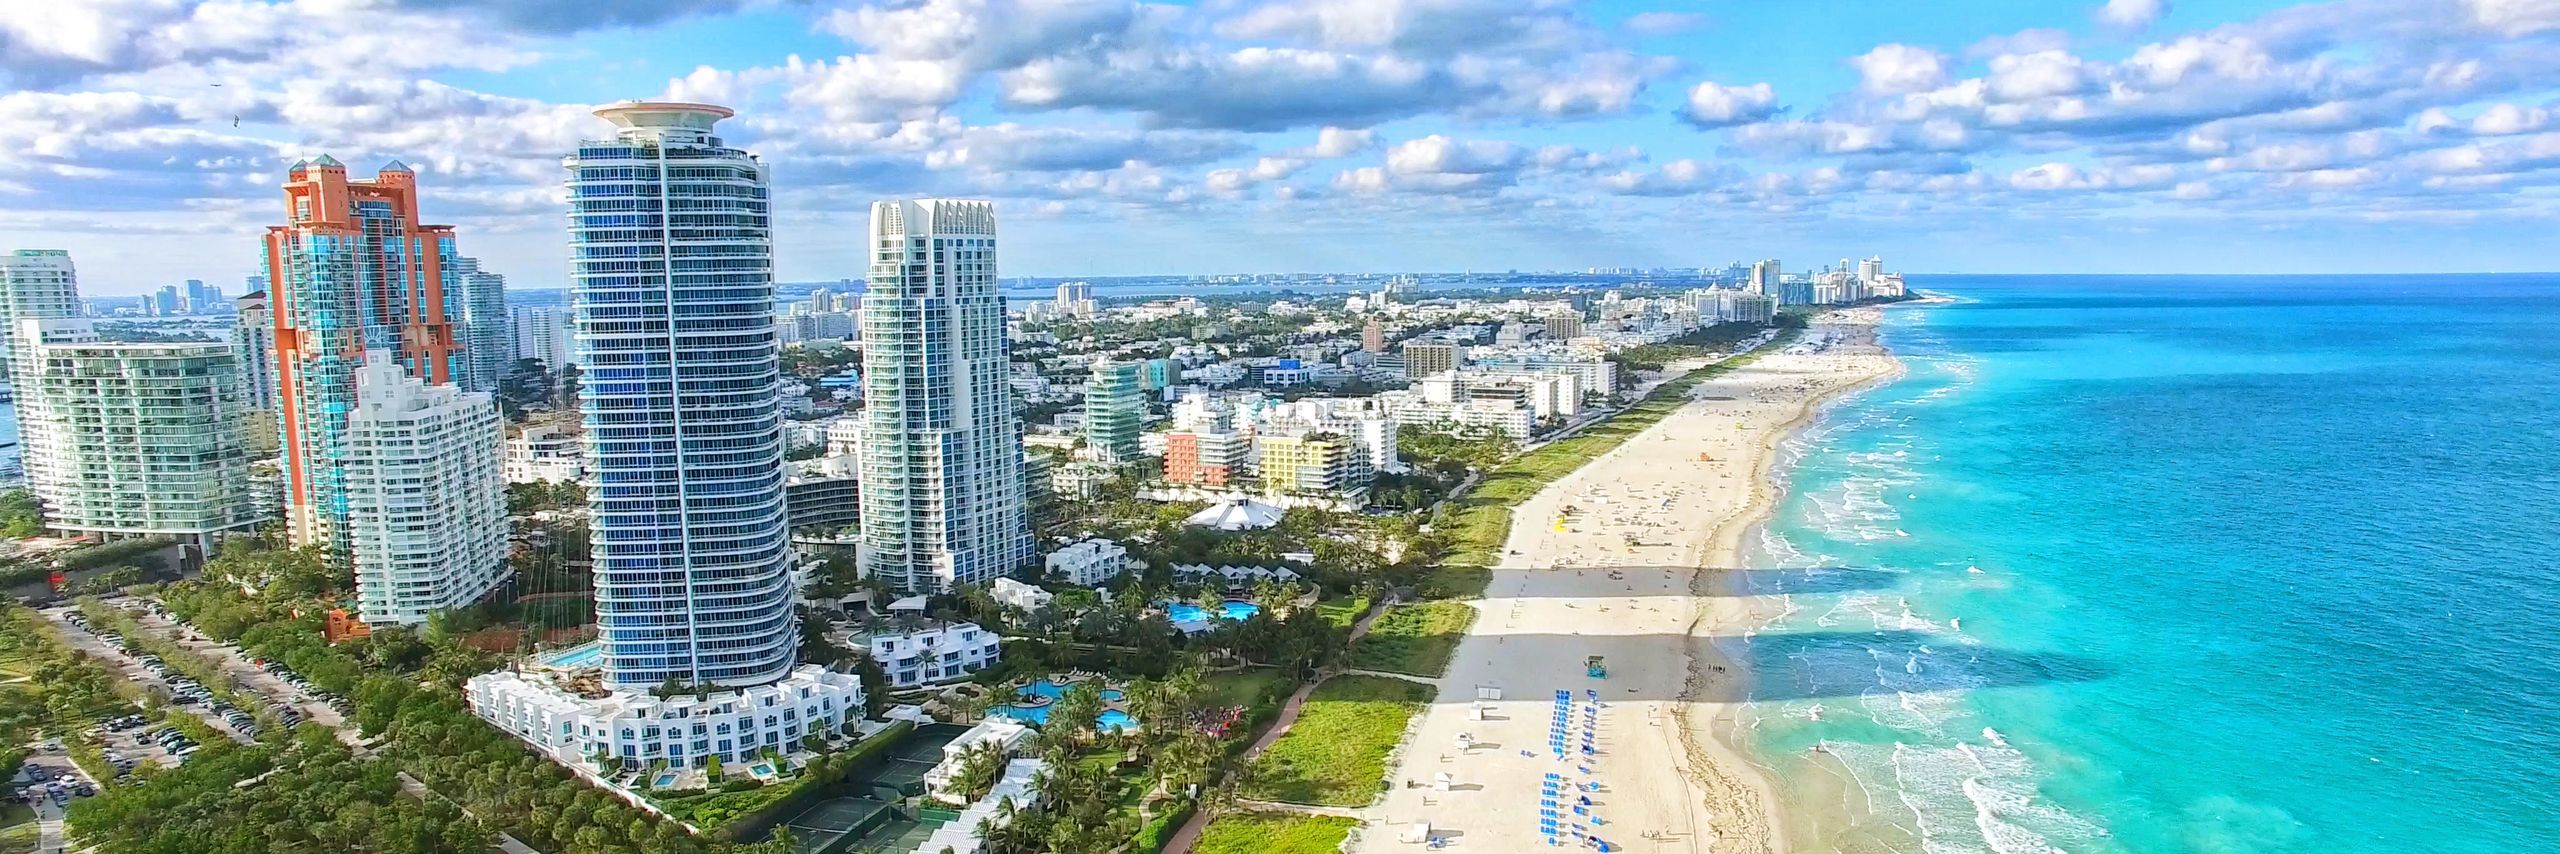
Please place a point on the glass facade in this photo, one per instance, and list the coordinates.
(672, 282)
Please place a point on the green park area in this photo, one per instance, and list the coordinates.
(1274, 833)
(1336, 752)
(1415, 638)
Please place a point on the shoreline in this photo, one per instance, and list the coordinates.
(1726, 607)
(1629, 559)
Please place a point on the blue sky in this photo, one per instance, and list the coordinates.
(1122, 137)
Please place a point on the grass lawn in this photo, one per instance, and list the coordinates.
(1415, 638)
(13, 814)
(1273, 833)
(1336, 753)
(1240, 688)
(18, 838)
(1480, 522)
(1343, 612)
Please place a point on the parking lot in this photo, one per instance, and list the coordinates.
(182, 692)
(292, 697)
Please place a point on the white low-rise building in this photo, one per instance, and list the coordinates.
(1232, 577)
(962, 834)
(924, 652)
(631, 728)
(1090, 563)
(548, 453)
(1022, 597)
(1012, 736)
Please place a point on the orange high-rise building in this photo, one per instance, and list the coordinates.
(352, 270)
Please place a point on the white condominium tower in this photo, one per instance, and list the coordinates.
(131, 440)
(426, 508)
(35, 284)
(671, 274)
(942, 496)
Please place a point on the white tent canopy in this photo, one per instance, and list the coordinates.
(1236, 514)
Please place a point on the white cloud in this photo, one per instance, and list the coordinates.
(1659, 24)
(1712, 104)
(1900, 68)
(2044, 74)
(1676, 178)
(2132, 14)
(1334, 142)
(1010, 146)
(2509, 120)
(2514, 18)
(1442, 155)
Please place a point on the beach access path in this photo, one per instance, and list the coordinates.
(1607, 561)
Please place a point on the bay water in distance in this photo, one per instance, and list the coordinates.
(2176, 564)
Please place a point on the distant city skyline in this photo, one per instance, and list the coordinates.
(1118, 137)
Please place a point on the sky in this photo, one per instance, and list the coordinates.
(1224, 136)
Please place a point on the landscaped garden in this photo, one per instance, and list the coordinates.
(1335, 754)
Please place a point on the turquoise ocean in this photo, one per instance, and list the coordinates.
(2176, 564)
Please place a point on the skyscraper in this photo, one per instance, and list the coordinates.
(255, 340)
(548, 334)
(1764, 278)
(1115, 410)
(942, 495)
(488, 344)
(426, 506)
(130, 440)
(1075, 299)
(1373, 336)
(35, 284)
(352, 270)
(672, 280)
(200, 299)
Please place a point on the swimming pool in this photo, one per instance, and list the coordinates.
(1053, 690)
(582, 655)
(1110, 719)
(1232, 609)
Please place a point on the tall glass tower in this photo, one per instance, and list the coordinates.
(671, 275)
(352, 270)
(942, 497)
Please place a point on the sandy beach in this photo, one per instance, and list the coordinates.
(1630, 559)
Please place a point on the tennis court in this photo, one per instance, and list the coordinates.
(906, 765)
(822, 827)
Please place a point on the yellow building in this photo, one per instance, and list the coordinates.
(1312, 463)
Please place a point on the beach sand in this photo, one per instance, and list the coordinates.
(1627, 558)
